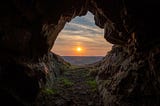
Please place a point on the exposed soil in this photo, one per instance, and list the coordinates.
(74, 88)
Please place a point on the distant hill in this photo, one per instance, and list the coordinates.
(81, 60)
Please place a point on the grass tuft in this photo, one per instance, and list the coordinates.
(49, 91)
(92, 84)
(66, 82)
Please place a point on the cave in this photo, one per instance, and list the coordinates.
(128, 75)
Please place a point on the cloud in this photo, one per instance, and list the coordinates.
(81, 31)
(82, 26)
(74, 28)
(88, 19)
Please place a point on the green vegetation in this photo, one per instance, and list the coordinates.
(74, 66)
(92, 83)
(49, 91)
(66, 68)
(66, 82)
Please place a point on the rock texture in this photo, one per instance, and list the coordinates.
(74, 88)
(21, 81)
(129, 75)
(28, 29)
(128, 78)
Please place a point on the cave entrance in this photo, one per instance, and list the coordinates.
(81, 41)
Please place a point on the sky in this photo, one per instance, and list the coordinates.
(81, 37)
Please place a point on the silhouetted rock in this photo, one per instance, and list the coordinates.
(129, 74)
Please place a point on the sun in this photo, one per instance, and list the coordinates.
(78, 49)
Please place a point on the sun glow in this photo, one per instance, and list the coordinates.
(81, 37)
(78, 49)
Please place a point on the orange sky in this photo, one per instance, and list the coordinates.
(81, 32)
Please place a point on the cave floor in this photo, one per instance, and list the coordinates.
(74, 88)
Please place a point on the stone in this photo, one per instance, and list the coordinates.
(29, 28)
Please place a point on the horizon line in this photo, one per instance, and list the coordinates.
(84, 55)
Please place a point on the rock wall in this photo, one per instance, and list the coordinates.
(28, 29)
(129, 74)
(129, 78)
(21, 81)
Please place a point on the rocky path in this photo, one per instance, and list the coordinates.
(74, 88)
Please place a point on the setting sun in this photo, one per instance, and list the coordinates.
(78, 49)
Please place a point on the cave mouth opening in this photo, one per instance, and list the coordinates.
(81, 41)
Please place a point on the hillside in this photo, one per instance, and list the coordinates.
(81, 60)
